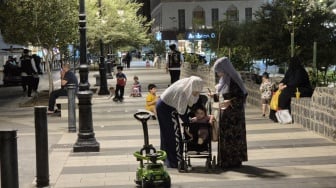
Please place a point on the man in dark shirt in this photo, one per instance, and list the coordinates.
(174, 61)
(67, 77)
(37, 60)
(29, 73)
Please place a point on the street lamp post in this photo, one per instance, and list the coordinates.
(102, 71)
(86, 141)
(292, 43)
(291, 28)
(292, 34)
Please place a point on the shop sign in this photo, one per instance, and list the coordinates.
(200, 36)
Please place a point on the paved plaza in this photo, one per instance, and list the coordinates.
(279, 155)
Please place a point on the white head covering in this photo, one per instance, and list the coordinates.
(179, 94)
(224, 65)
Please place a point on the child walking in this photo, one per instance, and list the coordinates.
(266, 89)
(120, 86)
(151, 99)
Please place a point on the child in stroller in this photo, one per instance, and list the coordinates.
(201, 117)
(197, 136)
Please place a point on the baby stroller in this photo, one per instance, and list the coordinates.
(193, 145)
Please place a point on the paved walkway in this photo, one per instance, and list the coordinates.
(279, 155)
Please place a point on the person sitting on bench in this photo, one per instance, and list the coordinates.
(67, 77)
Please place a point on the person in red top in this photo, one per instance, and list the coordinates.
(120, 86)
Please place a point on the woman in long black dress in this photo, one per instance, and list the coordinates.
(232, 146)
(296, 79)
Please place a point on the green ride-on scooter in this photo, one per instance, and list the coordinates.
(150, 173)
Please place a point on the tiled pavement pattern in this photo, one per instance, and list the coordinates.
(279, 155)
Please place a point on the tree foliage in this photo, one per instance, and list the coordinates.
(159, 47)
(41, 23)
(54, 23)
(268, 37)
(231, 42)
(47, 24)
(266, 32)
(116, 22)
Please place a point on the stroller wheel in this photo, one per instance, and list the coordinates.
(189, 168)
(213, 162)
(182, 166)
(208, 164)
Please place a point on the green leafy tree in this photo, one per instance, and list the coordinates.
(309, 21)
(116, 22)
(227, 35)
(159, 47)
(269, 39)
(41, 23)
(47, 24)
(319, 26)
(231, 42)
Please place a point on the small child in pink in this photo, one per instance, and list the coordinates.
(136, 87)
(202, 117)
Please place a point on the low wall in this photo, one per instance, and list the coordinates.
(317, 113)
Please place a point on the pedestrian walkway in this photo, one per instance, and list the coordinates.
(279, 155)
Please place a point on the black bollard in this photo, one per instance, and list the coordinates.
(109, 70)
(41, 139)
(71, 107)
(9, 159)
(103, 80)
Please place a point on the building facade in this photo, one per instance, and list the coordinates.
(186, 21)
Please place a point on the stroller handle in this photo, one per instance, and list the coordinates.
(142, 116)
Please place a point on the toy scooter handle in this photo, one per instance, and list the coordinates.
(161, 155)
(142, 116)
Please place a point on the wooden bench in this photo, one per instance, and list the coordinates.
(63, 102)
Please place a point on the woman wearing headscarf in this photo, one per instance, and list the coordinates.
(232, 147)
(296, 79)
(174, 102)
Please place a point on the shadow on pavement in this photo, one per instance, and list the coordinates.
(250, 171)
(253, 171)
(40, 100)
